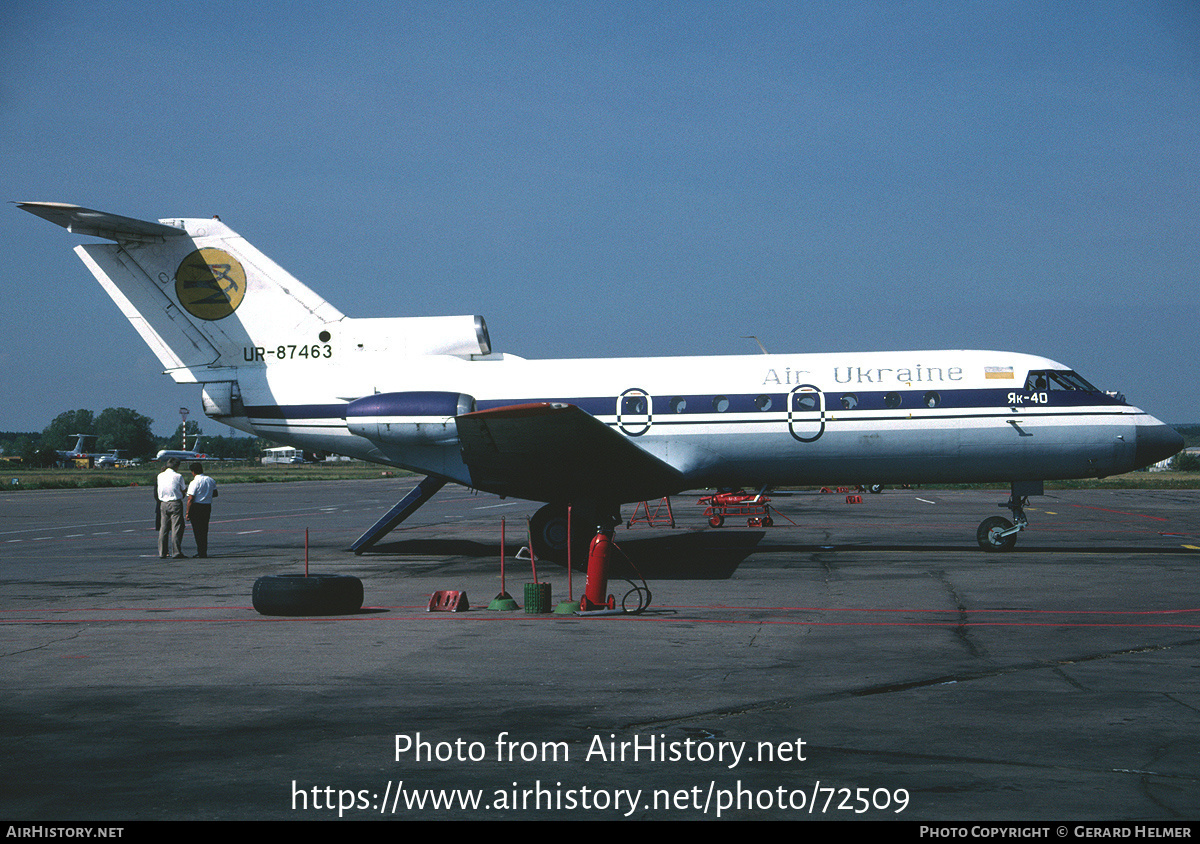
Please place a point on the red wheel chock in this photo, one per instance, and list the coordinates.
(448, 600)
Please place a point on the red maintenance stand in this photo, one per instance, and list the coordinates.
(660, 516)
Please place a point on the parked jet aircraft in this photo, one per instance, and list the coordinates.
(78, 450)
(182, 455)
(428, 394)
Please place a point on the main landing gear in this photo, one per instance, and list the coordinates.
(551, 531)
(998, 533)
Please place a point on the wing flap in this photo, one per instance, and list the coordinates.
(557, 452)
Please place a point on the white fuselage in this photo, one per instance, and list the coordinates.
(278, 360)
(883, 417)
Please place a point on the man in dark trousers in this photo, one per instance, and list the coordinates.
(200, 493)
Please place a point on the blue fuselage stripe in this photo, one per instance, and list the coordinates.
(866, 405)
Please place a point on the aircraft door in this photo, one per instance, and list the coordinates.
(634, 412)
(806, 413)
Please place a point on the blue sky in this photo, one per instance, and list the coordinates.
(605, 179)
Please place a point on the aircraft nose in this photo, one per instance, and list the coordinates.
(1155, 443)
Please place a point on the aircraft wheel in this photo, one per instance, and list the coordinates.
(316, 594)
(876, 488)
(548, 531)
(989, 537)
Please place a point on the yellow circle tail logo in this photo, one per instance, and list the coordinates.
(210, 284)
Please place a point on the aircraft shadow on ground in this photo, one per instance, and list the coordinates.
(972, 548)
(707, 555)
(439, 548)
(692, 556)
(713, 555)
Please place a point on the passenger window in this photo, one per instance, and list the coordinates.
(932, 399)
(892, 399)
(633, 404)
(804, 401)
(763, 402)
(720, 404)
(849, 401)
(678, 404)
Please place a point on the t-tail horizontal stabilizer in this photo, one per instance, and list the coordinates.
(79, 220)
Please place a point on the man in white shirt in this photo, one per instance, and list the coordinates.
(200, 494)
(171, 492)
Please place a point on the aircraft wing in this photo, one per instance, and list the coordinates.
(557, 452)
(79, 220)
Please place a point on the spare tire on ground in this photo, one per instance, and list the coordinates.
(313, 594)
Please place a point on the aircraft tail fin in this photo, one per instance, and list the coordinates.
(201, 296)
(217, 311)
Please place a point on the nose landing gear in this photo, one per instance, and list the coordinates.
(998, 533)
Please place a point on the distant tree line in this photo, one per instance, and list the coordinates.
(1190, 434)
(1191, 438)
(121, 429)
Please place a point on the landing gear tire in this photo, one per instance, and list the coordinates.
(989, 537)
(548, 532)
(875, 488)
(314, 594)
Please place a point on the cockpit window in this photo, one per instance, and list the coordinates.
(1057, 379)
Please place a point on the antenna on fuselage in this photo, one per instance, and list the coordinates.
(759, 342)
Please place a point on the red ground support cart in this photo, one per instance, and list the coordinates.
(755, 508)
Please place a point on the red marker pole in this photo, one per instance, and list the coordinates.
(532, 556)
(306, 552)
(503, 591)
